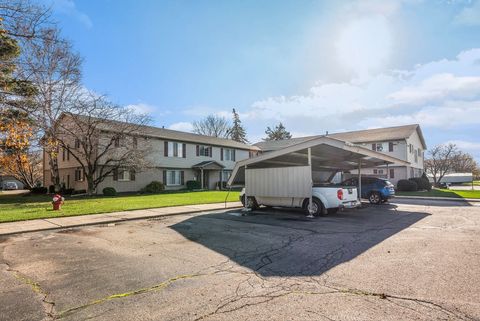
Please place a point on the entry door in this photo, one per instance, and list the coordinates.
(206, 181)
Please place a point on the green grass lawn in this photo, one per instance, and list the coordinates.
(27, 207)
(443, 193)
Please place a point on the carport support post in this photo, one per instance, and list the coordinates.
(360, 181)
(245, 193)
(310, 200)
(201, 177)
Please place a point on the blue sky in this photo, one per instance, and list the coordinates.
(314, 65)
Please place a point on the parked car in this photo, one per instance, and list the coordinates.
(376, 190)
(10, 186)
(327, 199)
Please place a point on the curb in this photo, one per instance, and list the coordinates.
(451, 199)
(113, 220)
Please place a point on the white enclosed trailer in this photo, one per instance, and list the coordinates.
(289, 174)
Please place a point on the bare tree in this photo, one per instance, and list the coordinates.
(48, 61)
(441, 160)
(464, 163)
(212, 125)
(23, 18)
(23, 166)
(103, 138)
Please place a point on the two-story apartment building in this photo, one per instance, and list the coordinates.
(174, 158)
(403, 142)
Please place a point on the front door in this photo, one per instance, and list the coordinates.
(206, 181)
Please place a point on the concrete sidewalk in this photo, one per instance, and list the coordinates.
(433, 198)
(92, 219)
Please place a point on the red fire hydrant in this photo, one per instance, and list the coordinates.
(57, 202)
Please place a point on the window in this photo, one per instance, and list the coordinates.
(226, 175)
(134, 142)
(410, 147)
(174, 178)
(228, 154)
(77, 143)
(203, 150)
(123, 175)
(390, 147)
(380, 171)
(78, 175)
(174, 149)
(63, 154)
(377, 147)
(117, 142)
(68, 153)
(416, 156)
(392, 173)
(375, 171)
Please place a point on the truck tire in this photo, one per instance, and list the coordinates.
(375, 198)
(319, 209)
(251, 202)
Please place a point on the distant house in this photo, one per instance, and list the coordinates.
(176, 158)
(403, 142)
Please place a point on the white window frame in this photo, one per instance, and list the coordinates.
(175, 148)
(226, 175)
(228, 154)
(122, 177)
(175, 174)
(79, 170)
(205, 149)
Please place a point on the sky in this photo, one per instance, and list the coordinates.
(313, 65)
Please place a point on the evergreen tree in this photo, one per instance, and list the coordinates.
(237, 132)
(277, 133)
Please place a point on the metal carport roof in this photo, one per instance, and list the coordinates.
(327, 153)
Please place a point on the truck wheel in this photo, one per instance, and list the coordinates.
(375, 198)
(317, 207)
(251, 202)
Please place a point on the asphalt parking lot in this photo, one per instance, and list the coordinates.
(402, 261)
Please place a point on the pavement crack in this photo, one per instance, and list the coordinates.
(156, 287)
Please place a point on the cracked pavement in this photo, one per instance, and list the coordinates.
(410, 260)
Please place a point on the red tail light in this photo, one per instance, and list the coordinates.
(340, 194)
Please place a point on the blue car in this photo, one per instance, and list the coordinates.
(376, 190)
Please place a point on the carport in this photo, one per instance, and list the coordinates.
(320, 154)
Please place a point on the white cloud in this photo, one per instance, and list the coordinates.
(68, 7)
(438, 94)
(181, 126)
(438, 87)
(469, 15)
(466, 145)
(142, 108)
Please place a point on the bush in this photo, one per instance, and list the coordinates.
(51, 189)
(109, 191)
(405, 185)
(191, 185)
(153, 187)
(221, 185)
(39, 190)
(423, 184)
(67, 191)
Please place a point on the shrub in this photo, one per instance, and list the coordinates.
(154, 187)
(80, 191)
(191, 185)
(39, 190)
(423, 184)
(51, 189)
(109, 191)
(67, 191)
(405, 185)
(221, 185)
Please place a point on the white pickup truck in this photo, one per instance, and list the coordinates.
(326, 199)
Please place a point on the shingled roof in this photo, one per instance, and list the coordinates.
(357, 136)
(173, 135)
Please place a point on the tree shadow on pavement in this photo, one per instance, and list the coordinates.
(276, 242)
